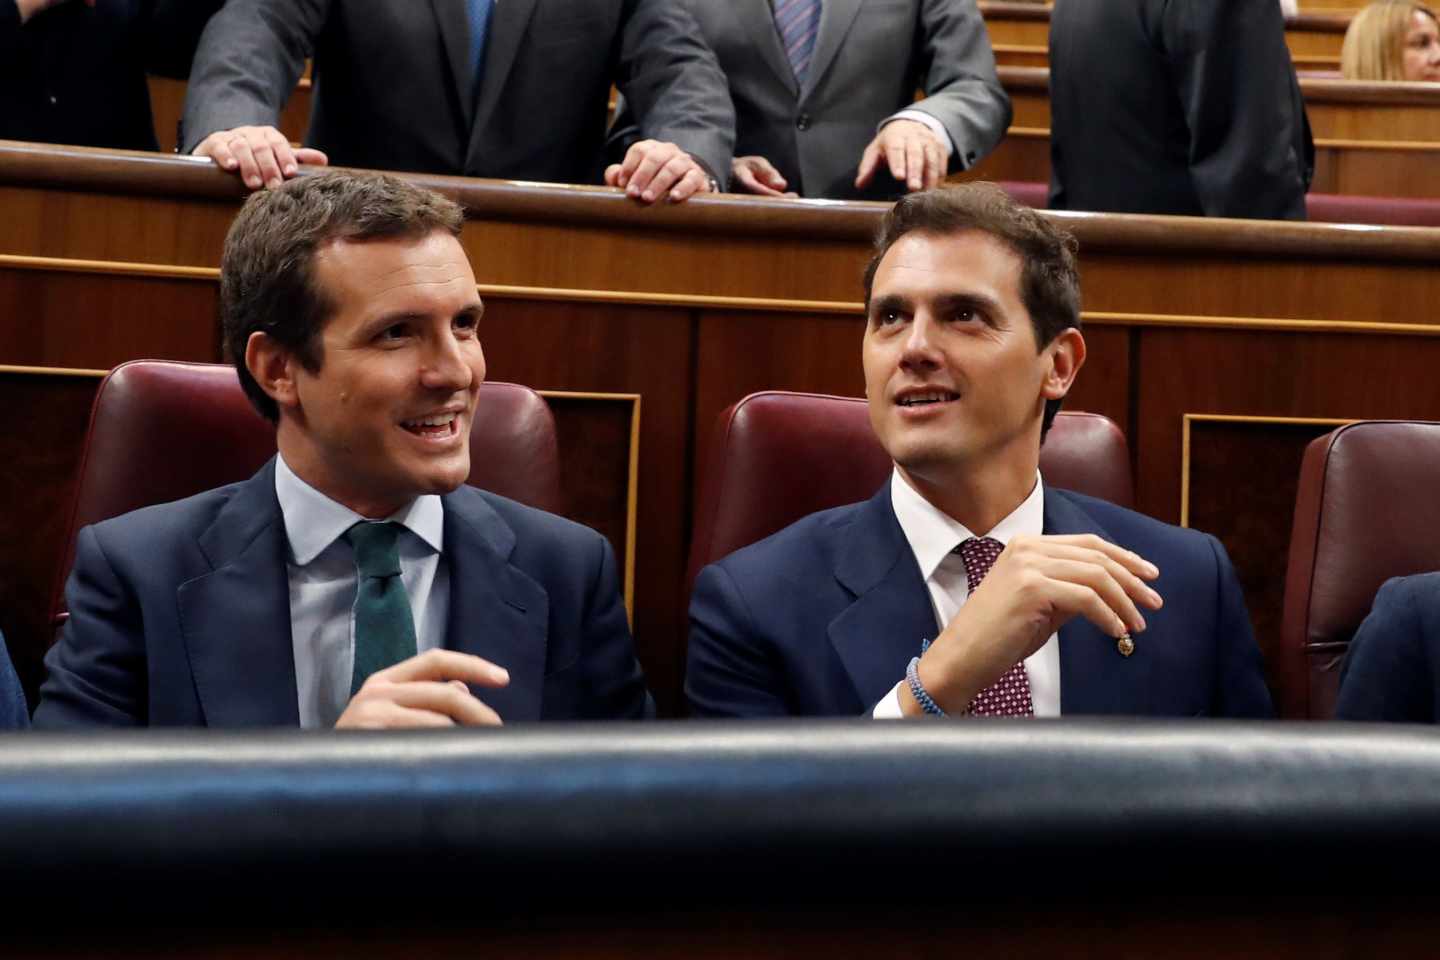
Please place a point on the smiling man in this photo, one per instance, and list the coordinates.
(966, 585)
(355, 581)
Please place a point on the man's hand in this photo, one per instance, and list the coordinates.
(1036, 585)
(651, 168)
(758, 175)
(28, 8)
(261, 155)
(916, 157)
(428, 690)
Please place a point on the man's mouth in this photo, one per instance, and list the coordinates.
(922, 398)
(437, 426)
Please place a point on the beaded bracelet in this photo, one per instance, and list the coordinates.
(912, 676)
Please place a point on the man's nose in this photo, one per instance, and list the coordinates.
(446, 366)
(920, 340)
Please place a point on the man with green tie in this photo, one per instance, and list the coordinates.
(355, 581)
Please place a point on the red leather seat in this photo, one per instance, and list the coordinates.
(162, 430)
(778, 456)
(1367, 509)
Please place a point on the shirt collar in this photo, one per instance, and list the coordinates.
(313, 521)
(932, 533)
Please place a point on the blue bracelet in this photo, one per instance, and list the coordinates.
(912, 675)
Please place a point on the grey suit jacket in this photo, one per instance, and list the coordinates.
(394, 91)
(870, 58)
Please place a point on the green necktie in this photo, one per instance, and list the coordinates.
(384, 629)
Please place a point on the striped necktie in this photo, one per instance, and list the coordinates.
(478, 12)
(799, 24)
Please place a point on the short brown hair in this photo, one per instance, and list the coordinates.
(1374, 47)
(267, 269)
(1049, 277)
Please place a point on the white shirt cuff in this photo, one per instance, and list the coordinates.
(936, 127)
(889, 707)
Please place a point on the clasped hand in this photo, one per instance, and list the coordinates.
(1036, 585)
(427, 690)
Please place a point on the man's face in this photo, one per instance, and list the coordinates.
(953, 375)
(387, 416)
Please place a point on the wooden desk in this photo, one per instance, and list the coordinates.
(1220, 347)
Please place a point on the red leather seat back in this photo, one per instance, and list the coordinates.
(777, 456)
(1367, 509)
(163, 430)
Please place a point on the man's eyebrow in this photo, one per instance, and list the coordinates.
(986, 305)
(889, 302)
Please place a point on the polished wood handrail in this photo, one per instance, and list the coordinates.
(147, 174)
(1319, 21)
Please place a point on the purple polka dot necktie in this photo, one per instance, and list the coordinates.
(1010, 695)
(799, 24)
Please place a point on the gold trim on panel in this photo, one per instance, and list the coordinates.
(632, 500)
(6, 368)
(164, 271)
(1189, 418)
(1258, 323)
(667, 299)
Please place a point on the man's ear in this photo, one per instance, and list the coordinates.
(273, 366)
(1067, 356)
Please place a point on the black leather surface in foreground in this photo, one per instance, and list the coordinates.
(610, 817)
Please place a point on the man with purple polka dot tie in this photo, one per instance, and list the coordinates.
(968, 587)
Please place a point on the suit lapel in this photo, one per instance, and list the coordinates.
(496, 611)
(837, 18)
(235, 620)
(757, 19)
(1094, 677)
(878, 634)
(455, 33)
(508, 23)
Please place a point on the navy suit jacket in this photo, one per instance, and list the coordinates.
(821, 619)
(1392, 670)
(180, 615)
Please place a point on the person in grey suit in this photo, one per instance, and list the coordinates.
(1184, 107)
(515, 89)
(824, 93)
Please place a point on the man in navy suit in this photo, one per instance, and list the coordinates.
(965, 585)
(355, 581)
(1392, 670)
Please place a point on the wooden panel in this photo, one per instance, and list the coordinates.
(41, 451)
(97, 320)
(167, 103)
(1252, 519)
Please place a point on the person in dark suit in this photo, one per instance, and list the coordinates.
(1003, 595)
(1186, 107)
(824, 93)
(515, 89)
(354, 581)
(1392, 669)
(74, 72)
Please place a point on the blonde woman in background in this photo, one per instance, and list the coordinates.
(1392, 40)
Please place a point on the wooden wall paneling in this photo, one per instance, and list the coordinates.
(60, 316)
(598, 435)
(85, 225)
(41, 452)
(1265, 374)
(1023, 155)
(616, 348)
(1375, 169)
(167, 104)
(1234, 472)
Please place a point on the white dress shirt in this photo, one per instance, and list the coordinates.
(933, 536)
(321, 570)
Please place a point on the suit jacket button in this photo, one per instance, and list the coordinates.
(802, 122)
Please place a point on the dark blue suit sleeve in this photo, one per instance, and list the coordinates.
(14, 715)
(614, 682)
(1240, 689)
(728, 673)
(97, 669)
(1387, 674)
